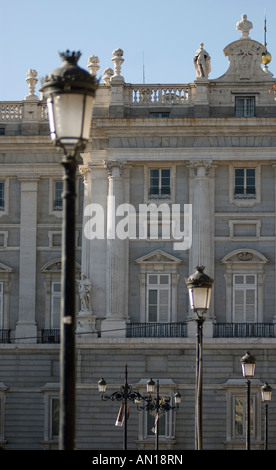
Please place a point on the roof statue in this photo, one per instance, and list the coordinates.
(202, 62)
(244, 26)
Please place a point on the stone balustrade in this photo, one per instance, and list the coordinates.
(158, 94)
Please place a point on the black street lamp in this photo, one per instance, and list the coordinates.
(266, 391)
(69, 92)
(199, 286)
(158, 404)
(248, 370)
(125, 394)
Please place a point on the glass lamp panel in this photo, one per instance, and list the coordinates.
(70, 117)
(200, 298)
(248, 370)
(266, 396)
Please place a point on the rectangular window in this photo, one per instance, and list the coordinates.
(158, 295)
(160, 183)
(54, 418)
(245, 106)
(55, 304)
(2, 195)
(239, 416)
(245, 183)
(58, 188)
(245, 298)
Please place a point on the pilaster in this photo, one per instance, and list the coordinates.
(26, 326)
(116, 255)
(202, 249)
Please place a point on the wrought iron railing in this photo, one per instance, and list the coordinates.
(5, 336)
(244, 330)
(50, 336)
(156, 330)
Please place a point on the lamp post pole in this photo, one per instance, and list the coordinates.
(248, 369)
(69, 91)
(266, 397)
(199, 286)
(199, 372)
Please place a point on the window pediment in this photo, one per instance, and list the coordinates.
(247, 256)
(158, 256)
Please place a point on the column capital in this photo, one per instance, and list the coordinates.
(110, 164)
(201, 167)
(85, 170)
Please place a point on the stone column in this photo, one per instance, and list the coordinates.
(116, 256)
(202, 249)
(26, 326)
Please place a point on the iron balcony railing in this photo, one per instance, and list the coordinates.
(5, 336)
(50, 336)
(156, 330)
(244, 330)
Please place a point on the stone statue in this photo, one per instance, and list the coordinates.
(244, 26)
(84, 287)
(202, 62)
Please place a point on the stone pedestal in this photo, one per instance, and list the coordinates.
(86, 325)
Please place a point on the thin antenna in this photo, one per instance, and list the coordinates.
(143, 69)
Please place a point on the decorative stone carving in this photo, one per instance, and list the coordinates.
(93, 65)
(202, 63)
(245, 56)
(244, 26)
(117, 61)
(85, 170)
(32, 81)
(196, 164)
(108, 73)
(113, 163)
(84, 287)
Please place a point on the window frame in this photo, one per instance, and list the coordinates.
(245, 194)
(158, 262)
(244, 288)
(159, 287)
(55, 296)
(159, 198)
(163, 190)
(57, 199)
(244, 201)
(235, 387)
(244, 261)
(245, 106)
(51, 392)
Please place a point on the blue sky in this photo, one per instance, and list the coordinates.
(160, 35)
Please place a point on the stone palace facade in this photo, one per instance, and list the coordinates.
(175, 176)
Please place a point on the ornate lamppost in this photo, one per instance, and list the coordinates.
(69, 92)
(248, 370)
(158, 405)
(266, 391)
(125, 394)
(199, 287)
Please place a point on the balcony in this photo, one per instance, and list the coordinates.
(156, 330)
(244, 330)
(50, 336)
(5, 336)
